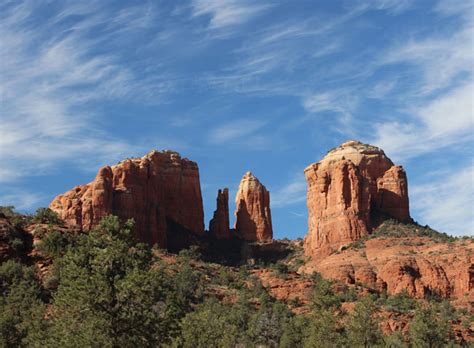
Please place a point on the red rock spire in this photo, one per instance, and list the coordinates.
(219, 224)
(253, 217)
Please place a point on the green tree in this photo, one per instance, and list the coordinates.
(55, 244)
(323, 330)
(209, 325)
(266, 325)
(46, 216)
(21, 308)
(362, 328)
(109, 295)
(323, 296)
(401, 302)
(294, 332)
(395, 340)
(428, 329)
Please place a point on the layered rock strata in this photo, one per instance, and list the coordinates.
(160, 191)
(418, 266)
(219, 224)
(353, 189)
(253, 217)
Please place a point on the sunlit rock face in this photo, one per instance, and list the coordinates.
(253, 217)
(160, 191)
(353, 189)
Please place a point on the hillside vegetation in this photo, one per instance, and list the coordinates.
(103, 289)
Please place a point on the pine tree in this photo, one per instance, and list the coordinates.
(362, 328)
(428, 329)
(109, 295)
(323, 330)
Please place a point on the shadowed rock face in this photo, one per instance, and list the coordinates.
(253, 217)
(219, 224)
(159, 191)
(351, 191)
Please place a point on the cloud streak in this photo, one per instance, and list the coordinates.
(292, 193)
(446, 202)
(430, 128)
(226, 13)
(50, 74)
(234, 130)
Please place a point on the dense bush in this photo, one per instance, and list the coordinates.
(428, 328)
(55, 243)
(21, 308)
(400, 302)
(46, 216)
(15, 218)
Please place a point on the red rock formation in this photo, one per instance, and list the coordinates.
(254, 221)
(350, 192)
(392, 194)
(160, 191)
(219, 224)
(418, 265)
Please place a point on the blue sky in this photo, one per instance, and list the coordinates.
(236, 86)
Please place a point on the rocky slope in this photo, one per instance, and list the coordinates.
(253, 217)
(160, 191)
(350, 192)
(404, 258)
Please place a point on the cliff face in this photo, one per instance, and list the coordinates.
(253, 217)
(411, 262)
(160, 191)
(353, 189)
(219, 224)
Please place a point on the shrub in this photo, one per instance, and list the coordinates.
(55, 244)
(15, 218)
(429, 329)
(400, 302)
(192, 253)
(323, 297)
(46, 216)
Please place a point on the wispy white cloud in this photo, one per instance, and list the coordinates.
(445, 121)
(22, 200)
(441, 60)
(447, 202)
(292, 193)
(226, 13)
(234, 130)
(382, 89)
(49, 74)
(392, 6)
(456, 8)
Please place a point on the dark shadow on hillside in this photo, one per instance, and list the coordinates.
(232, 252)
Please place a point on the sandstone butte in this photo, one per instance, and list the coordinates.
(219, 224)
(253, 217)
(351, 191)
(160, 191)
